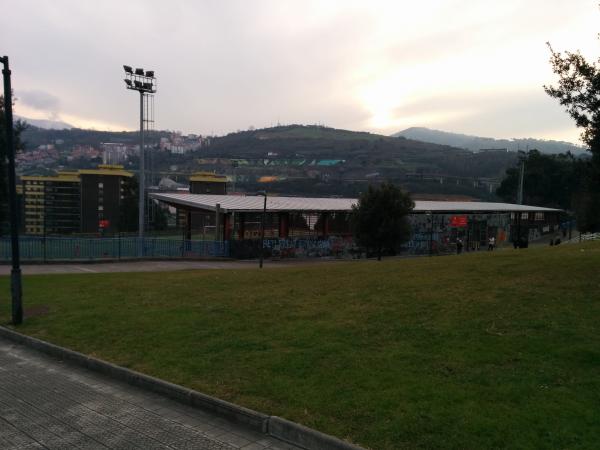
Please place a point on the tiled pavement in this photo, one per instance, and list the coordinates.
(45, 403)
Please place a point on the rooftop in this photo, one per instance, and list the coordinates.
(208, 177)
(237, 203)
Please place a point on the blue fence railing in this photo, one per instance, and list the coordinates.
(66, 248)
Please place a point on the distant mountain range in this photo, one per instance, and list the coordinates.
(46, 124)
(477, 143)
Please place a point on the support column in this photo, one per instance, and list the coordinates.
(188, 225)
(241, 225)
(218, 222)
(325, 217)
(226, 227)
(284, 225)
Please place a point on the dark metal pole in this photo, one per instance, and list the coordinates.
(431, 236)
(262, 233)
(45, 215)
(142, 182)
(15, 274)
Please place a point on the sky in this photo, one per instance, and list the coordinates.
(468, 66)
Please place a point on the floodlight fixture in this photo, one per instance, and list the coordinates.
(145, 83)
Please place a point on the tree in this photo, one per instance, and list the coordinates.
(578, 90)
(551, 180)
(380, 219)
(160, 217)
(19, 127)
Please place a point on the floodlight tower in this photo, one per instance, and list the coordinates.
(145, 83)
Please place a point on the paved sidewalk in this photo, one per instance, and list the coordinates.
(48, 404)
(153, 266)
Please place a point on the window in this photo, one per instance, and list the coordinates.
(100, 208)
(524, 216)
(100, 185)
(539, 216)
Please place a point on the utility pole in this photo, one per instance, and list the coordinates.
(262, 230)
(15, 274)
(521, 179)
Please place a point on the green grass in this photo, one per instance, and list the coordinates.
(494, 350)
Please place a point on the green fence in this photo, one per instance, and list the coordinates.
(65, 248)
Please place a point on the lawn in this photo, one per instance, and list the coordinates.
(488, 350)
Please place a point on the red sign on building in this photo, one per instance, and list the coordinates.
(458, 221)
(104, 224)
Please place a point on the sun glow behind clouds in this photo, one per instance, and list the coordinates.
(75, 121)
(484, 51)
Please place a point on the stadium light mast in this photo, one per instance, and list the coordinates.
(15, 274)
(145, 83)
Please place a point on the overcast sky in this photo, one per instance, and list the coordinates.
(470, 66)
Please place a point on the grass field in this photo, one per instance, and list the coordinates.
(474, 351)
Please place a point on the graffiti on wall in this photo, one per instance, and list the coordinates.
(333, 246)
(439, 233)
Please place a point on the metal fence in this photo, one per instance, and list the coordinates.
(585, 237)
(66, 248)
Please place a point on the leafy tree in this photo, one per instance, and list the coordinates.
(578, 90)
(551, 180)
(19, 127)
(160, 217)
(380, 220)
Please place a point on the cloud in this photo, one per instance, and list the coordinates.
(223, 66)
(495, 113)
(42, 101)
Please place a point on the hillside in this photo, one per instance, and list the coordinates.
(305, 160)
(45, 123)
(476, 143)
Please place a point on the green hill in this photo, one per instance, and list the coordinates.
(311, 160)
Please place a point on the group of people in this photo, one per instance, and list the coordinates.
(460, 245)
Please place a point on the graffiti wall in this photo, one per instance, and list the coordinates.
(439, 233)
(332, 246)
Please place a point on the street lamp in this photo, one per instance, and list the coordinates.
(234, 165)
(15, 274)
(262, 229)
(430, 217)
(145, 83)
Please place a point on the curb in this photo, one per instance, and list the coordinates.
(51, 262)
(304, 437)
(285, 430)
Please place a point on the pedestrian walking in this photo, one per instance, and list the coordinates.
(459, 246)
(491, 243)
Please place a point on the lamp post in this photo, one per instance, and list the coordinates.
(15, 274)
(145, 83)
(234, 165)
(262, 229)
(430, 216)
